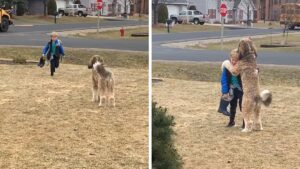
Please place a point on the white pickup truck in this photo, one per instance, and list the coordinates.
(74, 9)
(193, 16)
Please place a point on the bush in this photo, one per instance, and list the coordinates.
(52, 8)
(164, 154)
(162, 13)
(20, 8)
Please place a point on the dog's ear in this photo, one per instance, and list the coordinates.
(91, 62)
(101, 60)
(243, 48)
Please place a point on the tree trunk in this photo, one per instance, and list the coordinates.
(45, 7)
(155, 16)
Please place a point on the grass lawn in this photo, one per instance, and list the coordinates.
(82, 57)
(160, 28)
(113, 34)
(292, 39)
(191, 92)
(137, 17)
(51, 122)
(26, 19)
(262, 24)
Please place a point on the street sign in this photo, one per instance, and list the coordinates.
(99, 4)
(223, 10)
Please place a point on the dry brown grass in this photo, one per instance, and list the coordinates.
(203, 141)
(114, 34)
(36, 19)
(51, 122)
(161, 28)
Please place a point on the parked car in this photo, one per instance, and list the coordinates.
(193, 16)
(74, 9)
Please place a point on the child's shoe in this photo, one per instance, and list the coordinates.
(231, 124)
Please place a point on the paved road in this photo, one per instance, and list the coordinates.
(37, 36)
(166, 53)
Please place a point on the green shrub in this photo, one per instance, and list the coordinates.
(52, 8)
(164, 154)
(20, 8)
(162, 13)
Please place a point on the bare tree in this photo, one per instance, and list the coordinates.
(155, 4)
(45, 2)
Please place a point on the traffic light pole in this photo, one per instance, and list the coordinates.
(98, 25)
(222, 32)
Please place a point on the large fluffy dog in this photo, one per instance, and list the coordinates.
(252, 99)
(103, 82)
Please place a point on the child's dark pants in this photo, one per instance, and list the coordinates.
(54, 63)
(238, 95)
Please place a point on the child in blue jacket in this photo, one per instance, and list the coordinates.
(232, 92)
(53, 51)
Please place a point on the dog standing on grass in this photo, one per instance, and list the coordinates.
(103, 82)
(252, 99)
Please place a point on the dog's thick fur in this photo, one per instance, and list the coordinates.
(252, 99)
(103, 82)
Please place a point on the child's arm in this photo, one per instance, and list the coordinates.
(61, 48)
(45, 49)
(226, 64)
(224, 81)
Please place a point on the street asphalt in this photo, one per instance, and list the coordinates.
(36, 35)
(175, 54)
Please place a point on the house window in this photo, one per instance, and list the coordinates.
(212, 13)
(230, 14)
(119, 8)
(109, 7)
(241, 14)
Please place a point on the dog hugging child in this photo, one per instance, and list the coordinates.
(252, 98)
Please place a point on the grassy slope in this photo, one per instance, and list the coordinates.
(160, 28)
(114, 34)
(51, 122)
(50, 20)
(292, 39)
(191, 92)
(82, 56)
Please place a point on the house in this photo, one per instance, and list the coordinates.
(139, 7)
(110, 7)
(269, 9)
(174, 6)
(36, 7)
(237, 10)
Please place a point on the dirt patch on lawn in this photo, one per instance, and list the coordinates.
(203, 141)
(51, 122)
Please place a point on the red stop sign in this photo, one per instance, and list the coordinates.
(99, 4)
(223, 10)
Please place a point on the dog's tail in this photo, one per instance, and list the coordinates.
(266, 97)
